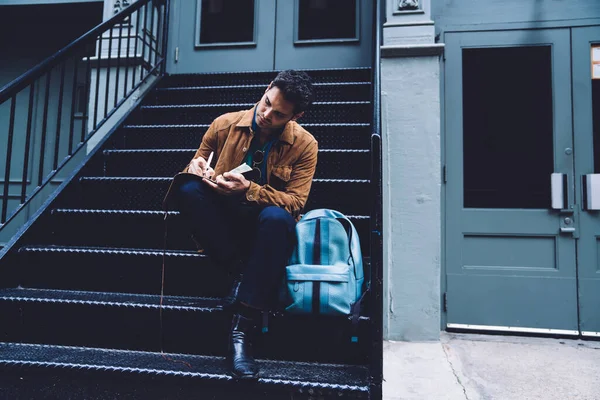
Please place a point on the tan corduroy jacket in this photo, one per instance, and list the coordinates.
(290, 166)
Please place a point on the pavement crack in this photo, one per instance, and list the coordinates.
(454, 372)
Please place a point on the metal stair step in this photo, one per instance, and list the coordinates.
(43, 371)
(113, 320)
(264, 78)
(337, 111)
(191, 325)
(176, 136)
(332, 163)
(348, 196)
(120, 270)
(332, 91)
(138, 229)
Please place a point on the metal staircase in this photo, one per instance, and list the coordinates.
(80, 306)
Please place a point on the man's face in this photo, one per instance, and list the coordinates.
(273, 111)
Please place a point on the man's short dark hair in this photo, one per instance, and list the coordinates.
(296, 87)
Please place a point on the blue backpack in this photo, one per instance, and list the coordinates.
(325, 272)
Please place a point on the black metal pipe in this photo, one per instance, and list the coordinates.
(107, 90)
(44, 129)
(165, 35)
(118, 65)
(137, 34)
(144, 43)
(127, 59)
(59, 116)
(11, 131)
(87, 89)
(43, 67)
(152, 35)
(73, 104)
(27, 142)
(376, 357)
(99, 58)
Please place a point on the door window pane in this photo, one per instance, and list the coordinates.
(507, 127)
(226, 21)
(327, 19)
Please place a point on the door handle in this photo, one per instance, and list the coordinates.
(591, 192)
(558, 186)
(567, 230)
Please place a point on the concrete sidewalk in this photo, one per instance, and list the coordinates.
(465, 366)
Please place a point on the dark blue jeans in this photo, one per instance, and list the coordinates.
(262, 237)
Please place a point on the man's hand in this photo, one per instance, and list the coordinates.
(229, 184)
(200, 167)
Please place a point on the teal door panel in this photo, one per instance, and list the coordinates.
(499, 305)
(264, 35)
(350, 49)
(222, 46)
(586, 105)
(510, 257)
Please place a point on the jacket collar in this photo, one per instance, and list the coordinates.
(288, 131)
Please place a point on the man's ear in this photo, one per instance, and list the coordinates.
(299, 115)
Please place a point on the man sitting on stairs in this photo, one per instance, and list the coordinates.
(247, 225)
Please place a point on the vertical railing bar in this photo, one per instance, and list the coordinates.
(137, 34)
(11, 130)
(159, 30)
(59, 116)
(118, 64)
(27, 142)
(108, 59)
(143, 41)
(127, 59)
(151, 3)
(87, 89)
(99, 59)
(44, 128)
(73, 95)
(165, 35)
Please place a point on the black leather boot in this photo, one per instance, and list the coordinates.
(239, 353)
(230, 299)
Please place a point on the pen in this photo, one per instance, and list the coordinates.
(210, 159)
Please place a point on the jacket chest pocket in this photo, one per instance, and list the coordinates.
(280, 175)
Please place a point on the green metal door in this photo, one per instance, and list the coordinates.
(510, 232)
(586, 106)
(266, 35)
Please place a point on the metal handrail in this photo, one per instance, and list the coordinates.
(18, 84)
(376, 361)
(94, 114)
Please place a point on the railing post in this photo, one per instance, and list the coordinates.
(98, 68)
(27, 142)
(73, 104)
(44, 129)
(11, 129)
(108, 64)
(59, 117)
(165, 35)
(376, 366)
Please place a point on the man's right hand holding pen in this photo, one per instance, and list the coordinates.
(199, 166)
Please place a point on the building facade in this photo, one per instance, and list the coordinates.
(490, 111)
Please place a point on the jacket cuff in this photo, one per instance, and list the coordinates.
(252, 192)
